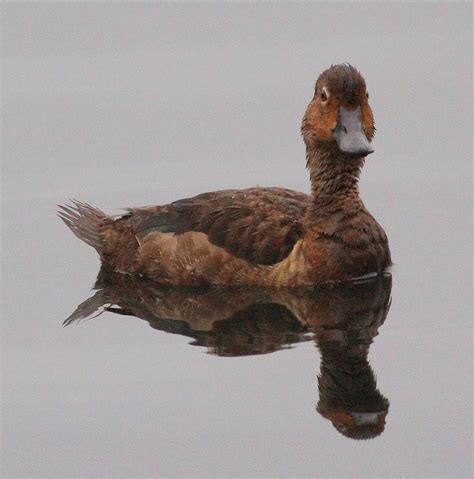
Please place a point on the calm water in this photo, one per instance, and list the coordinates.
(146, 104)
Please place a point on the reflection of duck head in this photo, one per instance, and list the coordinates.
(348, 394)
(342, 319)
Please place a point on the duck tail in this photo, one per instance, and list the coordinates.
(86, 222)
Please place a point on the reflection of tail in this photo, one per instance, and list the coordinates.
(89, 308)
(86, 222)
(99, 302)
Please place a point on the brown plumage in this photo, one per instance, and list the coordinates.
(261, 236)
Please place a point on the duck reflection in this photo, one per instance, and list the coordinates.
(342, 319)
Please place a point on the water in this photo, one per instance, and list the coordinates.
(145, 104)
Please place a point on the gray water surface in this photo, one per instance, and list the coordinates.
(136, 104)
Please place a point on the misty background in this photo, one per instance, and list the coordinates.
(122, 104)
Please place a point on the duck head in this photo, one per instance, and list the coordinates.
(339, 118)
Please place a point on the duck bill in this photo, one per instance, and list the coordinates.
(349, 133)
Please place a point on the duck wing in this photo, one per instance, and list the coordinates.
(260, 225)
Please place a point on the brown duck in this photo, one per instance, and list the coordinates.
(261, 236)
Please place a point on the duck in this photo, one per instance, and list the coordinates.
(261, 236)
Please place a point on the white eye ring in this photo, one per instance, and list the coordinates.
(324, 95)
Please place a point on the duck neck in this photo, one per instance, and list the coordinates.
(334, 178)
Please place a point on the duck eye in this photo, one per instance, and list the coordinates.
(324, 94)
(367, 95)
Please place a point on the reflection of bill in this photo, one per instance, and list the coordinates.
(341, 318)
